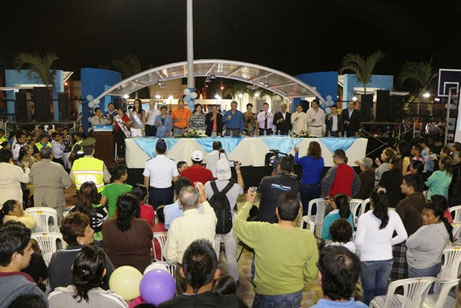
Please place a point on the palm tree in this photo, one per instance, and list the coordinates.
(420, 74)
(361, 66)
(235, 90)
(128, 66)
(39, 67)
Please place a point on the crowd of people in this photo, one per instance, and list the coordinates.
(112, 223)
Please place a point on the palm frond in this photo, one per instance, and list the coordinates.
(362, 67)
(39, 67)
(420, 73)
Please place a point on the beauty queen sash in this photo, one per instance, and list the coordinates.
(122, 126)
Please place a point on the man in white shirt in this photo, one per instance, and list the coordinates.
(21, 139)
(158, 175)
(215, 155)
(192, 225)
(265, 121)
(299, 121)
(152, 113)
(333, 123)
(315, 120)
(99, 119)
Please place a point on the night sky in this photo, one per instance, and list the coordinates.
(292, 36)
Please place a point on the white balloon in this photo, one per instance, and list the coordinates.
(186, 91)
(193, 95)
(96, 101)
(327, 110)
(156, 265)
(328, 97)
(90, 104)
(89, 97)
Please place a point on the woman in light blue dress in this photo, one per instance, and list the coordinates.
(164, 123)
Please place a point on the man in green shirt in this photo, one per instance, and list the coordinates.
(112, 191)
(285, 255)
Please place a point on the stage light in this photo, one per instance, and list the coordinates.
(257, 94)
(240, 95)
(126, 96)
(66, 84)
(216, 96)
(426, 95)
(222, 88)
(157, 96)
(354, 98)
(170, 98)
(437, 99)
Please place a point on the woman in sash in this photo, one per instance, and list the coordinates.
(122, 124)
(138, 119)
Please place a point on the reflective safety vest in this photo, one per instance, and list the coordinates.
(80, 152)
(89, 169)
(39, 146)
(2, 139)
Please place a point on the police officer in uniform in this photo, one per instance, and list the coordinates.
(88, 168)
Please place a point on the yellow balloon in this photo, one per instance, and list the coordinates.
(125, 281)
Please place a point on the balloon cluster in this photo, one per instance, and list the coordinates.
(326, 106)
(154, 287)
(189, 97)
(92, 102)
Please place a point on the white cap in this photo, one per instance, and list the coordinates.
(197, 155)
(223, 170)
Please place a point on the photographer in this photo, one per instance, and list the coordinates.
(215, 155)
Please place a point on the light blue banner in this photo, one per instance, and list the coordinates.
(148, 144)
(283, 144)
(337, 143)
(228, 143)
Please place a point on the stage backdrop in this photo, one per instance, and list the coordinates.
(249, 151)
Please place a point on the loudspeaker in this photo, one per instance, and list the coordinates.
(20, 107)
(382, 106)
(41, 98)
(396, 103)
(63, 103)
(366, 103)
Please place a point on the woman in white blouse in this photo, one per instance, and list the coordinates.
(11, 177)
(374, 240)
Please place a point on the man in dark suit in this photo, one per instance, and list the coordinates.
(351, 120)
(282, 121)
(213, 121)
(333, 123)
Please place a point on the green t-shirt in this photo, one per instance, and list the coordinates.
(112, 192)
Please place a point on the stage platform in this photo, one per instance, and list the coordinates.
(250, 151)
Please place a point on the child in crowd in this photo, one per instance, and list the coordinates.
(112, 191)
(341, 233)
(146, 210)
(182, 165)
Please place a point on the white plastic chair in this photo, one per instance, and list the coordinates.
(365, 206)
(414, 293)
(48, 243)
(450, 266)
(442, 299)
(161, 238)
(46, 217)
(317, 219)
(356, 206)
(456, 213)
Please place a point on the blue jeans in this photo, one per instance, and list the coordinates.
(309, 192)
(425, 272)
(292, 300)
(375, 276)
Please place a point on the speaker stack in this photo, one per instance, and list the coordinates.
(20, 107)
(41, 98)
(63, 103)
(383, 113)
(366, 104)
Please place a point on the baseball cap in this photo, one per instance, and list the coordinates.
(197, 155)
(223, 170)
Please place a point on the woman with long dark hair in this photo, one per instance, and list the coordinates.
(88, 203)
(341, 209)
(426, 245)
(88, 272)
(127, 239)
(138, 119)
(312, 165)
(374, 240)
(391, 181)
(197, 120)
(439, 182)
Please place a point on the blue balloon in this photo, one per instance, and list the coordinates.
(187, 98)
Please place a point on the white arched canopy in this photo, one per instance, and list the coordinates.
(278, 82)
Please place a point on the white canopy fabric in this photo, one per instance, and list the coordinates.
(278, 82)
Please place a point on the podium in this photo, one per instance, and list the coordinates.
(105, 144)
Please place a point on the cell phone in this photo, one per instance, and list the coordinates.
(232, 163)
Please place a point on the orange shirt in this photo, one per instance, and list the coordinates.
(183, 115)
